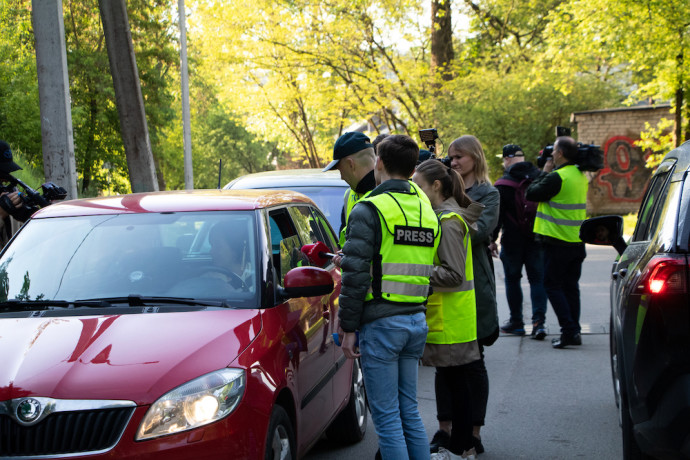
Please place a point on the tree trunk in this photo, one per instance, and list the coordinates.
(441, 38)
(53, 93)
(129, 101)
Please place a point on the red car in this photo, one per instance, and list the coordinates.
(173, 325)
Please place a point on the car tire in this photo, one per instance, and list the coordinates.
(280, 437)
(350, 425)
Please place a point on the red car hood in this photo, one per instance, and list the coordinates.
(136, 357)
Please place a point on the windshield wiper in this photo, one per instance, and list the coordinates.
(29, 305)
(134, 300)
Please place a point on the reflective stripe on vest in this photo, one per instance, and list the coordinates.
(352, 199)
(410, 233)
(562, 216)
(452, 316)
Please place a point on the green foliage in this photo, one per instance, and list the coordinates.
(20, 122)
(657, 141)
(514, 108)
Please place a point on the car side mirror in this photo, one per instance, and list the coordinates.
(306, 282)
(604, 231)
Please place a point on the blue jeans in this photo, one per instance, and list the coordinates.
(531, 255)
(563, 269)
(391, 348)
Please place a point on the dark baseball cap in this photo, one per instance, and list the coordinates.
(348, 144)
(512, 150)
(6, 163)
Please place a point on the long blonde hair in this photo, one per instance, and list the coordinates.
(470, 145)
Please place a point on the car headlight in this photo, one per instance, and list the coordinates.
(194, 404)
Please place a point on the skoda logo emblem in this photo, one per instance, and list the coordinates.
(29, 410)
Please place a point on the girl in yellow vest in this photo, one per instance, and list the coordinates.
(451, 310)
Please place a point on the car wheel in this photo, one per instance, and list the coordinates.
(280, 438)
(350, 425)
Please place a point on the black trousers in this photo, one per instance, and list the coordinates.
(453, 387)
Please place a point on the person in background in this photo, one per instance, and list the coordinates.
(11, 204)
(467, 158)
(451, 310)
(561, 191)
(388, 257)
(518, 248)
(353, 157)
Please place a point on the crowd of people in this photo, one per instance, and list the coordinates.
(418, 285)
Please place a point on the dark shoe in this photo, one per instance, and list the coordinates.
(510, 327)
(565, 340)
(477, 444)
(538, 331)
(440, 439)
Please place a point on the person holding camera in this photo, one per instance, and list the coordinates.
(561, 191)
(11, 203)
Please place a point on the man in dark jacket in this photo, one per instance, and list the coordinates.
(518, 247)
(392, 238)
(562, 195)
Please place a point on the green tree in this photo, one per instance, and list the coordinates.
(20, 122)
(644, 44)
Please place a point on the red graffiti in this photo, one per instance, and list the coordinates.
(624, 175)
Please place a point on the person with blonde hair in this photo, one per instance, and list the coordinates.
(467, 157)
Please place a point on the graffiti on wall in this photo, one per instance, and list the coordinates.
(624, 176)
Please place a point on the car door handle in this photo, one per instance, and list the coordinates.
(622, 272)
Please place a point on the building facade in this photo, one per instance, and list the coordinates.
(619, 187)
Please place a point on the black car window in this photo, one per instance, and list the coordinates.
(285, 243)
(302, 217)
(650, 211)
(325, 231)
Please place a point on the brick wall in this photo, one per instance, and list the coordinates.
(619, 187)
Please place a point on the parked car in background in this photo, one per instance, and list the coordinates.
(173, 325)
(326, 189)
(650, 314)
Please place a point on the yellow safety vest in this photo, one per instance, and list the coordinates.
(562, 216)
(352, 199)
(411, 232)
(452, 316)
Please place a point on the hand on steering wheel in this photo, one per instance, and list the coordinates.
(234, 280)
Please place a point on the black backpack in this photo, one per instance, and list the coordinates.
(525, 210)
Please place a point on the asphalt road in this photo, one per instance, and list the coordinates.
(543, 403)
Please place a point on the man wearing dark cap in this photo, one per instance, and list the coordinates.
(10, 202)
(354, 157)
(518, 248)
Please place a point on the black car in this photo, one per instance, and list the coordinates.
(650, 314)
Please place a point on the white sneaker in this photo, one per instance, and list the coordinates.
(445, 454)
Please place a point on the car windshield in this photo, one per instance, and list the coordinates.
(328, 199)
(205, 256)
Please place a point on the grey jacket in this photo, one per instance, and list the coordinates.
(363, 241)
(484, 278)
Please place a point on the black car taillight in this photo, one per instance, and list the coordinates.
(664, 274)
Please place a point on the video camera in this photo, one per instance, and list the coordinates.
(429, 137)
(589, 156)
(31, 199)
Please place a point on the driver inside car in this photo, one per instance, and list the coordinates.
(228, 255)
